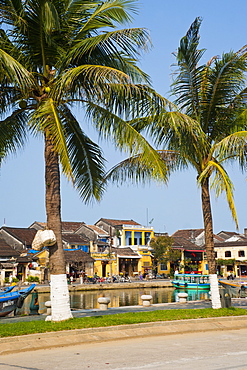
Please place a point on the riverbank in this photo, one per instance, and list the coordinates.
(111, 286)
(28, 336)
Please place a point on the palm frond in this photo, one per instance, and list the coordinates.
(17, 74)
(88, 80)
(188, 78)
(85, 156)
(126, 138)
(134, 169)
(233, 147)
(13, 132)
(221, 183)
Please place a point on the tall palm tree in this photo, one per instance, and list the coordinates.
(211, 98)
(54, 55)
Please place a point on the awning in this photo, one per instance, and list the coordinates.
(194, 251)
(7, 265)
(130, 257)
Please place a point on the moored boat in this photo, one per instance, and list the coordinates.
(235, 288)
(191, 281)
(13, 300)
(7, 289)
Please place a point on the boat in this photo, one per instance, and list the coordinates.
(236, 289)
(9, 302)
(7, 290)
(191, 281)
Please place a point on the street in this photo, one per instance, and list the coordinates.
(215, 350)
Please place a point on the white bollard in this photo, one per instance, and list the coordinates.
(103, 303)
(48, 307)
(182, 297)
(146, 300)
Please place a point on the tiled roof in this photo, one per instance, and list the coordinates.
(71, 226)
(77, 256)
(25, 259)
(218, 238)
(227, 234)
(179, 242)
(67, 226)
(6, 265)
(112, 222)
(188, 233)
(98, 230)
(125, 252)
(6, 250)
(231, 244)
(24, 235)
(75, 239)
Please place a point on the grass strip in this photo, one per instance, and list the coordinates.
(32, 327)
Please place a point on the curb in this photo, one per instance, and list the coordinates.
(74, 337)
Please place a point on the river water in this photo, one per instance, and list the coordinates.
(121, 297)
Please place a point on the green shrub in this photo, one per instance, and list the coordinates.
(6, 280)
(15, 280)
(33, 279)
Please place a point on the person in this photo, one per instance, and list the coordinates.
(71, 279)
(141, 276)
(176, 272)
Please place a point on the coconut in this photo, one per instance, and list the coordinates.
(23, 104)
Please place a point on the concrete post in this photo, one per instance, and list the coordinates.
(146, 300)
(182, 297)
(103, 303)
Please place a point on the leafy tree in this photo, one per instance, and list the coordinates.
(58, 54)
(204, 129)
(163, 251)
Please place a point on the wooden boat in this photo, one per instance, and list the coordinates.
(236, 288)
(13, 300)
(191, 281)
(7, 290)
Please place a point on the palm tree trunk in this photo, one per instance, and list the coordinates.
(59, 288)
(209, 243)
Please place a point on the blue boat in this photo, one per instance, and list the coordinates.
(13, 300)
(191, 281)
(7, 290)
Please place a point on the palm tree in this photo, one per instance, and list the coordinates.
(54, 55)
(205, 131)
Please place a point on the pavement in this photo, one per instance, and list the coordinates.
(80, 336)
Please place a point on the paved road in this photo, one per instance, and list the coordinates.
(218, 350)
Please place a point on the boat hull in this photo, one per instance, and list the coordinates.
(7, 307)
(235, 289)
(13, 300)
(191, 281)
(184, 285)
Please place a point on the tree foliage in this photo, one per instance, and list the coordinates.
(163, 251)
(205, 127)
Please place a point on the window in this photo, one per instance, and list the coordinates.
(241, 253)
(228, 254)
(146, 264)
(163, 267)
(215, 254)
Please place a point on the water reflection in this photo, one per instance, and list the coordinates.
(124, 297)
(193, 295)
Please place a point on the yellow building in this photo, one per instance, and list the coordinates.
(130, 241)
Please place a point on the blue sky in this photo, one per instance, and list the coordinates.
(166, 208)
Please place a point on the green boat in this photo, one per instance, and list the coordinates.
(191, 281)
